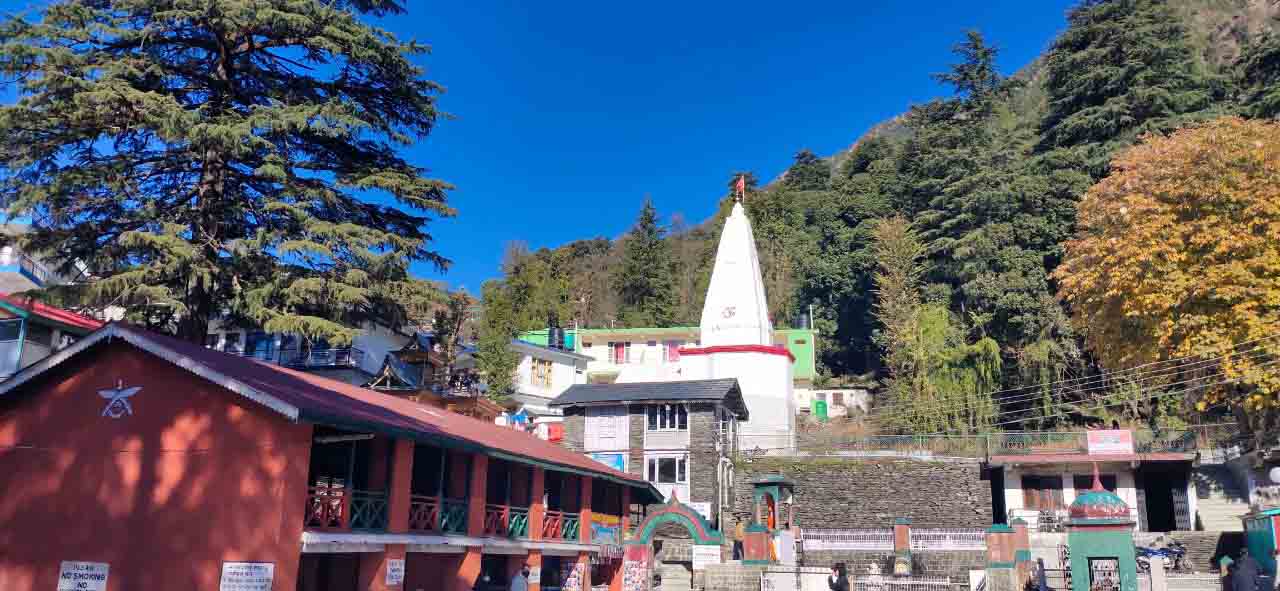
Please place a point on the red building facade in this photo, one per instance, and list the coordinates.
(173, 465)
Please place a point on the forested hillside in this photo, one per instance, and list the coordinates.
(985, 185)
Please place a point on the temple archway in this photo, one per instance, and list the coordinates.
(638, 560)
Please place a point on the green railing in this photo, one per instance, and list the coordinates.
(506, 522)
(453, 516)
(368, 510)
(436, 514)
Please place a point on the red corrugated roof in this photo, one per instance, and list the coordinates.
(322, 400)
(51, 313)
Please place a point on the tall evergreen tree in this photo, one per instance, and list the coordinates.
(1122, 68)
(646, 290)
(221, 157)
(495, 361)
(807, 173)
(1259, 76)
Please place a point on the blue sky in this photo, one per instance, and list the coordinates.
(568, 113)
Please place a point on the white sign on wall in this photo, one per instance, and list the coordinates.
(703, 509)
(395, 571)
(247, 576)
(83, 576)
(535, 574)
(704, 555)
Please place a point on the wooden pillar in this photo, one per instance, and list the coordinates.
(584, 514)
(626, 511)
(537, 503)
(373, 568)
(401, 486)
(478, 487)
(468, 570)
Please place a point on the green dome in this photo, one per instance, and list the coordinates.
(1099, 505)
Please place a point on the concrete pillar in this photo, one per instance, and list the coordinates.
(400, 488)
(584, 516)
(626, 511)
(902, 562)
(537, 503)
(476, 491)
(1000, 563)
(1021, 542)
(468, 570)
(534, 560)
(373, 568)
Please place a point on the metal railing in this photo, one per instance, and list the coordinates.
(927, 540)
(437, 514)
(1037, 442)
(368, 510)
(846, 539)
(349, 357)
(888, 583)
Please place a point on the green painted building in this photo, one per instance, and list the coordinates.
(612, 347)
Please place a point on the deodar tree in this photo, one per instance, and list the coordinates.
(1178, 254)
(223, 157)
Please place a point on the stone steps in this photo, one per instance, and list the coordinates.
(1204, 548)
(1220, 501)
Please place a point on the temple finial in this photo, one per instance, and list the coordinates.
(1097, 480)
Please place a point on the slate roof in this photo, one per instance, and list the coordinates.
(721, 390)
(301, 396)
(531, 348)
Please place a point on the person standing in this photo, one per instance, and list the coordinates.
(837, 581)
(739, 534)
(520, 582)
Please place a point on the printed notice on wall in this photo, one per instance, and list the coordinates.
(83, 576)
(247, 576)
(395, 571)
(704, 555)
(703, 509)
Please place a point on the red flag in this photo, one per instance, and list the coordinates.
(742, 185)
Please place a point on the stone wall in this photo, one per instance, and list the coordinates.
(837, 493)
(575, 424)
(953, 564)
(703, 457)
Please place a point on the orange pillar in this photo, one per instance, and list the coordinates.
(584, 515)
(615, 582)
(584, 572)
(534, 560)
(537, 508)
(401, 479)
(374, 565)
(476, 495)
(468, 570)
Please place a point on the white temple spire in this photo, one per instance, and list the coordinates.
(736, 311)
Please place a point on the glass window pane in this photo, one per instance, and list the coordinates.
(653, 418)
(667, 470)
(653, 470)
(683, 416)
(682, 477)
(10, 330)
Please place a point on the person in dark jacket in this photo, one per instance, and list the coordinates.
(838, 581)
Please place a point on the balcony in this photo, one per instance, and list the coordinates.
(559, 525)
(334, 508)
(505, 521)
(311, 358)
(438, 515)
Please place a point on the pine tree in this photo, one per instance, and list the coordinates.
(807, 173)
(1122, 68)
(227, 157)
(646, 290)
(495, 361)
(1259, 73)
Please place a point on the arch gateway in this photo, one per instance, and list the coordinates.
(637, 557)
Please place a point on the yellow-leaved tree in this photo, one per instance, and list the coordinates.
(1177, 254)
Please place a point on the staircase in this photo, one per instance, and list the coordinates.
(675, 577)
(1204, 548)
(1220, 499)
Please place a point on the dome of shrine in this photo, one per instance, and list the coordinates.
(1099, 504)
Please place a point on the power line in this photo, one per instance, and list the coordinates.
(1187, 363)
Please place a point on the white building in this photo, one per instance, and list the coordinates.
(544, 373)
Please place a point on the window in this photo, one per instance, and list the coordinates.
(40, 334)
(668, 470)
(837, 398)
(619, 352)
(232, 344)
(822, 396)
(673, 350)
(667, 417)
(211, 340)
(1042, 493)
(258, 344)
(540, 371)
(1083, 482)
(10, 330)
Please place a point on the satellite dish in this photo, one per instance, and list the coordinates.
(1274, 475)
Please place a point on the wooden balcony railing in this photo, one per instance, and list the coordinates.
(506, 522)
(558, 525)
(437, 514)
(335, 508)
